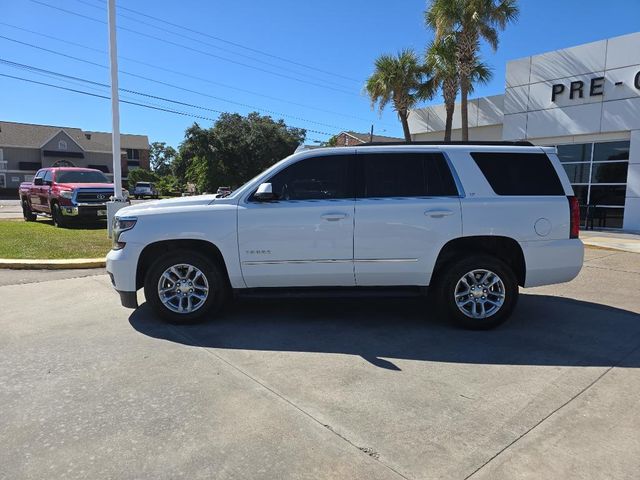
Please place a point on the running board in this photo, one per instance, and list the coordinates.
(331, 292)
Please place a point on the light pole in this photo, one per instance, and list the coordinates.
(117, 201)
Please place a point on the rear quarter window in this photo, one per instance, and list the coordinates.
(519, 173)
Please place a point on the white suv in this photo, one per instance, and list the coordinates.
(470, 221)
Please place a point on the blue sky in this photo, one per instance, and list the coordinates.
(339, 37)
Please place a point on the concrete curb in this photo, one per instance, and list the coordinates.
(52, 264)
(612, 247)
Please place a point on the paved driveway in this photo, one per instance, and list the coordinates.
(322, 389)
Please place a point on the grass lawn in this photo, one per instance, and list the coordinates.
(40, 239)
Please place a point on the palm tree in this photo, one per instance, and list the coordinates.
(400, 80)
(469, 21)
(441, 61)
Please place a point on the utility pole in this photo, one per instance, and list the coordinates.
(371, 134)
(117, 201)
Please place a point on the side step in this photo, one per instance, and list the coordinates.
(332, 292)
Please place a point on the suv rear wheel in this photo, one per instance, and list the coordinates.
(478, 292)
(184, 287)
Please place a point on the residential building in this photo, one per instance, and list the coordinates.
(585, 100)
(349, 139)
(25, 148)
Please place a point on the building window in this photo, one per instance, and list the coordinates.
(29, 166)
(62, 145)
(102, 168)
(3, 180)
(133, 163)
(598, 174)
(133, 154)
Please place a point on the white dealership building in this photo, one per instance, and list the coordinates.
(586, 101)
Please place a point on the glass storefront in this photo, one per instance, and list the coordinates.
(598, 174)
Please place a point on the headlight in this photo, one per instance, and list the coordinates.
(121, 224)
(66, 194)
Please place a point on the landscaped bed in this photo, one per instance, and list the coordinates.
(41, 240)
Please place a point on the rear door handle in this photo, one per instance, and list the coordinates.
(438, 213)
(334, 217)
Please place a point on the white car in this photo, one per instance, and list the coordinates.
(145, 189)
(471, 222)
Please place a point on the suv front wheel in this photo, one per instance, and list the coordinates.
(184, 287)
(478, 292)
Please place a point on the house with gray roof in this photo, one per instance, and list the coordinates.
(350, 139)
(25, 148)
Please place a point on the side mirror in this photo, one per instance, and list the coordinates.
(264, 193)
(38, 181)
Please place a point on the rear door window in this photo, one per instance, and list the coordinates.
(405, 175)
(519, 173)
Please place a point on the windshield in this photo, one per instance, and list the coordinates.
(142, 184)
(86, 176)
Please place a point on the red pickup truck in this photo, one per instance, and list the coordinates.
(65, 194)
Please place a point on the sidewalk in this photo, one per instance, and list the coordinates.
(626, 242)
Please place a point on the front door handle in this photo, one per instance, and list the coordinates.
(334, 217)
(438, 213)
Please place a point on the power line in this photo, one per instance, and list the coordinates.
(202, 52)
(184, 36)
(186, 75)
(135, 92)
(153, 107)
(228, 42)
(178, 87)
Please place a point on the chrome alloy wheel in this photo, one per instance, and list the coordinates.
(183, 288)
(479, 294)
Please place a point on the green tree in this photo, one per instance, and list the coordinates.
(161, 158)
(331, 142)
(168, 185)
(235, 150)
(400, 80)
(441, 61)
(469, 21)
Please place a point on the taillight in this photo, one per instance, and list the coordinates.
(574, 214)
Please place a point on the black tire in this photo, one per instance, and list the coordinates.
(27, 213)
(215, 278)
(57, 217)
(448, 280)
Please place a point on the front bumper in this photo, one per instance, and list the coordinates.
(85, 212)
(122, 268)
(128, 299)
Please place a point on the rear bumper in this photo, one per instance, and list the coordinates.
(552, 261)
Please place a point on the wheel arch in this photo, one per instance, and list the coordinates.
(505, 248)
(155, 249)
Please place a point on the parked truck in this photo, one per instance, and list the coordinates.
(66, 194)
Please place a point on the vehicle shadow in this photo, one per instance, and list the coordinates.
(544, 330)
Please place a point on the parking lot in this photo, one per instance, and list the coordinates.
(321, 389)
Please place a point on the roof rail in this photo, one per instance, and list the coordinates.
(479, 143)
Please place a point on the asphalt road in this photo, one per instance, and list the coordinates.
(321, 389)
